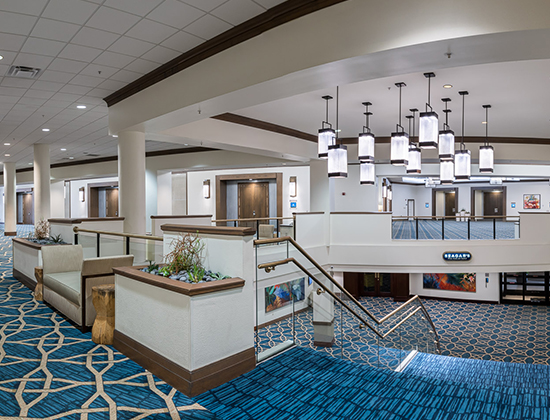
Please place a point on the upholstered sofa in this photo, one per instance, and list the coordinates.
(68, 280)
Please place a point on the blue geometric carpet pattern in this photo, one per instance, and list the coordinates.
(304, 384)
(50, 370)
(452, 229)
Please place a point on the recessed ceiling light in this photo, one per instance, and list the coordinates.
(7, 154)
(115, 135)
(63, 149)
(46, 129)
(30, 163)
(447, 86)
(338, 131)
(186, 144)
(1, 57)
(81, 106)
(70, 157)
(7, 144)
(483, 122)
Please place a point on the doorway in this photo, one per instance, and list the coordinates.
(394, 285)
(103, 199)
(253, 201)
(25, 208)
(525, 288)
(445, 201)
(411, 212)
(488, 202)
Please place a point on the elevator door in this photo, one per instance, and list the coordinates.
(253, 201)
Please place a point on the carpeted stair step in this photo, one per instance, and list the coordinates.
(305, 384)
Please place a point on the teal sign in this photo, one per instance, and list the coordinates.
(457, 256)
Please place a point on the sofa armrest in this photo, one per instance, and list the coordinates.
(93, 267)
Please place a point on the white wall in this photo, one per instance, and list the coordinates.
(164, 193)
(350, 195)
(151, 197)
(79, 209)
(57, 199)
(484, 291)
(515, 191)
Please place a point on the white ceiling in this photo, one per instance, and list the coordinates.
(87, 50)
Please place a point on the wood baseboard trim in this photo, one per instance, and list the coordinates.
(491, 302)
(190, 383)
(24, 279)
(10, 233)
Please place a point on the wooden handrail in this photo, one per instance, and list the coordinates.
(76, 229)
(253, 219)
(451, 217)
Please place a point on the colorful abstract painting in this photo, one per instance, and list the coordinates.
(460, 282)
(531, 201)
(282, 294)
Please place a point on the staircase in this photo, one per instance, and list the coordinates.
(304, 384)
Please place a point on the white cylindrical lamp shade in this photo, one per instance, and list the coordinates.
(365, 149)
(447, 145)
(415, 160)
(427, 136)
(486, 159)
(366, 173)
(446, 172)
(325, 139)
(338, 161)
(462, 164)
(399, 153)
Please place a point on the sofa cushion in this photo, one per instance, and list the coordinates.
(65, 284)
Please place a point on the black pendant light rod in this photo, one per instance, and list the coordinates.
(446, 111)
(327, 98)
(366, 127)
(486, 123)
(399, 126)
(429, 77)
(463, 93)
(409, 117)
(414, 111)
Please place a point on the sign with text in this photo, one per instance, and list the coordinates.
(457, 256)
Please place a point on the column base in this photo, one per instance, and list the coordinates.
(323, 333)
(10, 233)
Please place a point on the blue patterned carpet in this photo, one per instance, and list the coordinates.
(431, 229)
(50, 370)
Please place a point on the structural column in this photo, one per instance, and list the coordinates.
(131, 180)
(41, 182)
(10, 209)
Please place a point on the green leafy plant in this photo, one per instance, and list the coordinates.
(186, 253)
(152, 266)
(218, 276)
(56, 239)
(196, 273)
(165, 271)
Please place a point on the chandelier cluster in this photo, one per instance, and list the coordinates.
(454, 164)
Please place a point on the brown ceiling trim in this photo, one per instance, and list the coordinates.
(496, 140)
(264, 125)
(272, 18)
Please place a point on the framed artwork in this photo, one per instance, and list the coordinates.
(282, 294)
(531, 201)
(459, 282)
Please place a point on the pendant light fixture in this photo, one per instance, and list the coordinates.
(446, 172)
(446, 137)
(326, 133)
(399, 153)
(486, 152)
(462, 156)
(365, 148)
(337, 153)
(415, 157)
(366, 173)
(428, 131)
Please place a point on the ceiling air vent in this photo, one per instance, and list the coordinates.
(24, 72)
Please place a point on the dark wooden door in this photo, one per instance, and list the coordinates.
(450, 204)
(376, 284)
(253, 201)
(28, 210)
(111, 202)
(400, 287)
(492, 204)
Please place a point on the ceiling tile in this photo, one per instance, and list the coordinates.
(50, 86)
(69, 66)
(79, 53)
(42, 46)
(97, 70)
(112, 59)
(14, 23)
(39, 94)
(148, 30)
(206, 5)
(57, 104)
(91, 37)
(78, 90)
(269, 3)
(32, 101)
(182, 41)
(32, 60)
(100, 93)
(73, 11)
(126, 76)
(10, 42)
(175, 13)
(56, 76)
(89, 100)
(65, 97)
(238, 11)
(16, 82)
(112, 85)
(12, 91)
(208, 27)
(112, 20)
(9, 99)
(141, 66)
(52, 29)
(83, 80)
(160, 54)
(141, 7)
(131, 46)
(33, 7)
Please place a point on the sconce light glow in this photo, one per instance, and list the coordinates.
(292, 186)
(81, 196)
(206, 188)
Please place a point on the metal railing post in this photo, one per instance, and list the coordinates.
(258, 229)
(234, 223)
(494, 227)
(98, 240)
(278, 232)
(76, 238)
(443, 228)
(127, 245)
(416, 219)
(469, 220)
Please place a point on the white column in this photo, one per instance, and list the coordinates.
(41, 182)
(131, 180)
(10, 208)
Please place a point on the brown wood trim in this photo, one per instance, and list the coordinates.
(534, 211)
(188, 216)
(360, 212)
(179, 151)
(264, 125)
(447, 189)
(489, 188)
(492, 302)
(179, 286)
(10, 233)
(253, 177)
(26, 243)
(279, 180)
(308, 212)
(212, 230)
(272, 18)
(191, 383)
(24, 279)
(64, 221)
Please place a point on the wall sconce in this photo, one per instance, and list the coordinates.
(206, 188)
(292, 186)
(81, 195)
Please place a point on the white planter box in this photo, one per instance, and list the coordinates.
(26, 256)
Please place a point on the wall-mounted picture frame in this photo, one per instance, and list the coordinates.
(531, 201)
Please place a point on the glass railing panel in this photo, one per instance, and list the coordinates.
(507, 228)
(429, 229)
(89, 244)
(481, 228)
(455, 228)
(110, 246)
(404, 228)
